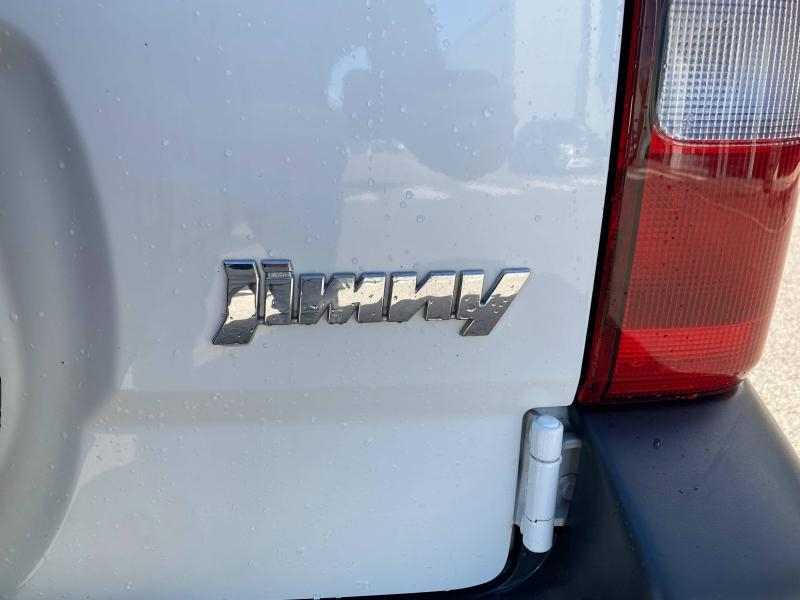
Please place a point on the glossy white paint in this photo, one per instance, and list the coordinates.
(141, 143)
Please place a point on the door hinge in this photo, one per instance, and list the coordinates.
(548, 467)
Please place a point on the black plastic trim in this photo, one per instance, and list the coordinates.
(680, 500)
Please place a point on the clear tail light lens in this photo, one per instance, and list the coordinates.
(703, 198)
(730, 70)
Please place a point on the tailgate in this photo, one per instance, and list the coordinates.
(143, 144)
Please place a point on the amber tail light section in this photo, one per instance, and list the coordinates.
(702, 201)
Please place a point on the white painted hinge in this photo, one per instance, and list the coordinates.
(548, 468)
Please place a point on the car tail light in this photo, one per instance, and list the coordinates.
(702, 199)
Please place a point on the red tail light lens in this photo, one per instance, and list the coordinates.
(703, 199)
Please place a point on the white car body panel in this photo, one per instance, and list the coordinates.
(141, 143)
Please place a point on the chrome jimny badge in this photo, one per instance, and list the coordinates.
(345, 295)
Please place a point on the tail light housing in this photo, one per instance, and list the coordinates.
(702, 199)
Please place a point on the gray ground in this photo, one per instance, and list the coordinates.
(777, 376)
